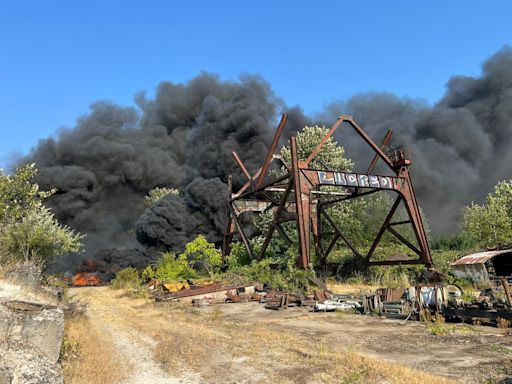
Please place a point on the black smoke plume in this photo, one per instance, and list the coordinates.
(461, 147)
(183, 138)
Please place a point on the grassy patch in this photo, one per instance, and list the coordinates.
(88, 355)
(501, 349)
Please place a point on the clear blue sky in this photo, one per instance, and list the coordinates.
(57, 57)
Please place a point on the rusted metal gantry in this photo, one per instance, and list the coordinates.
(297, 196)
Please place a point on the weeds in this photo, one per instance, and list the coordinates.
(503, 323)
(88, 356)
(436, 324)
(127, 278)
(75, 309)
(358, 375)
(502, 349)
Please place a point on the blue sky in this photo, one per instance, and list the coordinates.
(57, 57)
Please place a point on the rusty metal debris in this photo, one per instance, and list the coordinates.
(209, 293)
(446, 300)
(298, 196)
(338, 304)
(399, 303)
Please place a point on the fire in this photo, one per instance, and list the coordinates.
(85, 279)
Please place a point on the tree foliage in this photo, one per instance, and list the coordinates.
(201, 252)
(156, 194)
(332, 155)
(490, 225)
(29, 230)
(199, 256)
(174, 268)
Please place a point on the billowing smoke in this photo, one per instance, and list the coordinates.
(183, 138)
(174, 221)
(461, 147)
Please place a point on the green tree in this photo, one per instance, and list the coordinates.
(202, 252)
(156, 194)
(28, 230)
(490, 225)
(332, 155)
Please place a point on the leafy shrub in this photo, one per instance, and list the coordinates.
(147, 273)
(28, 230)
(127, 278)
(171, 268)
(203, 254)
(278, 272)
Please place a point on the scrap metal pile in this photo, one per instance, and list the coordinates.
(415, 302)
(202, 294)
(449, 301)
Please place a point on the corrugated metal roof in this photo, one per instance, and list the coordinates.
(481, 257)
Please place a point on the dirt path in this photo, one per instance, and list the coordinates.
(245, 344)
(135, 348)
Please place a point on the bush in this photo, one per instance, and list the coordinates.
(277, 272)
(171, 268)
(202, 253)
(28, 230)
(127, 278)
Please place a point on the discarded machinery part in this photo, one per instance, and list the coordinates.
(337, 305)
(465, 313)
(372, 304)
(504, 283)
(200, 303)
(453, 290)
(402, 308)
(431, 297)
(307, 199)
(446, 300)
(278, 303)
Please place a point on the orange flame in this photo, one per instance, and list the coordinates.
(85, 279)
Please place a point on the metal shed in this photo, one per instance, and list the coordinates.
(484, 267)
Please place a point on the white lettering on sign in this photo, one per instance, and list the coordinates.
(356, 180)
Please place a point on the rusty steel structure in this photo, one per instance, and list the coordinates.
(297, 196)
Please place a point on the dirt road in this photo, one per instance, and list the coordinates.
(244, 343)
(466, 353)
(135, 348)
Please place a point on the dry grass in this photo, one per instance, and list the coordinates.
(346, 288)
(503, 323)
(202, 341)
(190, 339)
(88, 355)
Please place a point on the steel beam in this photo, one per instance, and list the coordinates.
(302, 199)
(271, 150)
